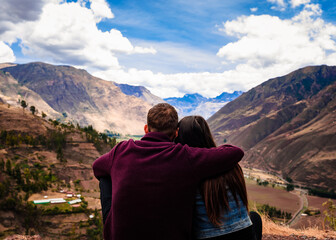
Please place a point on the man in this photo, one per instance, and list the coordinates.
(154, 180)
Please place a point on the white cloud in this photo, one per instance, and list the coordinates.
(101, 10)
(167, 85)
(279, 5)
(16, 11)
(254, 9)
(296, 3)
(266, 47)
(243, 77)
(144, 50)
(67, 33)
(6, 53)
(172, 58)
(309, 13)
(278, 2)
(268, 41)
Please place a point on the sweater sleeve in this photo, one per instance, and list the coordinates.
(207, 162)
(102, 165)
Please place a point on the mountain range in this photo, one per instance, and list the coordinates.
(286, 125)
(67, 93)
(70, 94)
(196, 104)
(139, 92)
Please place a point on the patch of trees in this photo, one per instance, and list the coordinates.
(322, 193)
(30, 179)
(32, 108)
(54, 140)
(288, 179)
(95, 228)
(312, 212)
(112, 134)
(15, 139)
(290, 187)
(273, 212)
(27, 211)
(262, 183)
(330, 213)
(93, 136)
(23, 104)
(56, 210)
(21, 178)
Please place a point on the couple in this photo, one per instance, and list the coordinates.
(157, 189)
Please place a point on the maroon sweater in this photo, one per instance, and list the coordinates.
(153, 185)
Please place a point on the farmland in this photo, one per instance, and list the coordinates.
(279, 198)
(291, 202)
(312, 221)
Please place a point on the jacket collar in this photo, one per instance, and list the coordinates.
(156, 137)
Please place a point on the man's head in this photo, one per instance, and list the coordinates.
(162, 118)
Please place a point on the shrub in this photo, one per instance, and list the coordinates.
(289, 187)
(330, 213)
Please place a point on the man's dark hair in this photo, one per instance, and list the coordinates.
(162, 118)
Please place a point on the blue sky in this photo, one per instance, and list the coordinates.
(172, 47)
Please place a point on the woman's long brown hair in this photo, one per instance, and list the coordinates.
(195, 132)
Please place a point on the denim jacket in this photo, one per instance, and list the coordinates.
(235, 219)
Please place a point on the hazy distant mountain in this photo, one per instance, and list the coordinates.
(140, 92)
(196, 104)
(286, 125)
(74, 93)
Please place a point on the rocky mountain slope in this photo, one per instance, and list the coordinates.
(286, 125)
(42, 159)
(74, 94)
(196, 104)
(140, 92)
(11, 92)
(32, 167)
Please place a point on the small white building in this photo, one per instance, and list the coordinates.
(43, 201)
(57, 200)
(52, 200)
(75, 201)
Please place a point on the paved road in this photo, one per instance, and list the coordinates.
(303, 205)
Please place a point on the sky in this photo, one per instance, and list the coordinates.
(173, 47)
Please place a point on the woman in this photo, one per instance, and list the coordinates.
(221, 208)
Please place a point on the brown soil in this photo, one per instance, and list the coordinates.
(20, 120)
(79, 155)
(292, 237)
(278, 198)
(313, 221)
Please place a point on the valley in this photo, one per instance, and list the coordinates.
(286, 127)
(296, 202)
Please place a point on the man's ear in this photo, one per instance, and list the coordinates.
(146, 128)
(176, 133)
